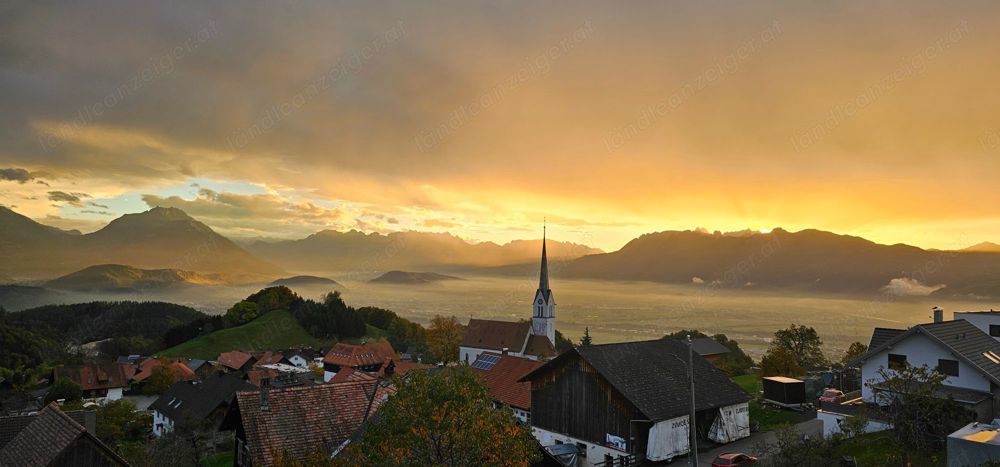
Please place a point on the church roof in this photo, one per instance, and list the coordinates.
(495, 335)
(540, 346)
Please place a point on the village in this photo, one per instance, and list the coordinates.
(935, 386)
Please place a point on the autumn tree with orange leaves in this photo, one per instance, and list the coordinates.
(443, 418)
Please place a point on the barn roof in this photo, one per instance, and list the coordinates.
(652, 375)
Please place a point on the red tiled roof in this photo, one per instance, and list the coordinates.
(181, 371)
(301, 420)
(402, 367)
(234, 360)
(93, 376)
(254, 376)
(350, 355)
(270, 358)
(502, 380)
(495, 335)
(47, 437)
(350, 374)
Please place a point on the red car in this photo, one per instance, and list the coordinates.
(832, 395)
(730, 459)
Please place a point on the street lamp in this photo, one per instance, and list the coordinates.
(691, 424)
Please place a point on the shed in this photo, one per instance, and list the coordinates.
(784, 391)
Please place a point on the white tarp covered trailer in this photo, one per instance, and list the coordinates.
(668, 439)
(732, 423)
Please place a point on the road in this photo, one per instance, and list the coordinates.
(813, 428)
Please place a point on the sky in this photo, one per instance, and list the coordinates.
(482, 118)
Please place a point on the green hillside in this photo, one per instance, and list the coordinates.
(274, 330)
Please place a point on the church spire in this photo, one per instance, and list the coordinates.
(543, 278)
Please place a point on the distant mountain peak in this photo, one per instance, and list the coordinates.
(988, 247)
(168, 213)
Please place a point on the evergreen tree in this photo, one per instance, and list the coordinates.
(586, 340)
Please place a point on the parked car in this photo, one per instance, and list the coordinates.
(834, 396)
(730, 459)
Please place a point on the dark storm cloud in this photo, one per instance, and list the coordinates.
(16, 175)
(72, 199)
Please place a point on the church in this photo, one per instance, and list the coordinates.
(533, 339)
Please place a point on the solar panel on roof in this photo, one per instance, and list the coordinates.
(486, 362)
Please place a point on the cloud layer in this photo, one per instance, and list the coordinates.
(470, 114)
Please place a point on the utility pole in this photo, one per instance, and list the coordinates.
(691, 425)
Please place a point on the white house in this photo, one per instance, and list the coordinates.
(986, 321)
(535, 339)
(969, 358)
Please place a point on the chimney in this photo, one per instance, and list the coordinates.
(938, 314)
(505, 351)
(265, 385)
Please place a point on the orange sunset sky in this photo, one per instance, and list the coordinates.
(480, 118)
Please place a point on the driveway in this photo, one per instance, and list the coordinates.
(813, 428)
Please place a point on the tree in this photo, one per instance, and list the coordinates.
(779, 361)
(242, 312)
(562, 343)
(378, 317)
(274, 298)
(855, 350)
(586, 340)
(64, 388)
(920, 417)
(119, 422)
(804, 343)
(443, 338)
(405, 335)
(160, 378)
(443, 419)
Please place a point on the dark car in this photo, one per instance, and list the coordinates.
(730, 459)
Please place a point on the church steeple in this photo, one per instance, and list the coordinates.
(543, 317)
(543, 278)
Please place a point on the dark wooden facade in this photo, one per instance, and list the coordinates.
(574, 400)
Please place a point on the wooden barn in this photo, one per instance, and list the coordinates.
(632, 399)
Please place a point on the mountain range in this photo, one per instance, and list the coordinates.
(155, 239)
(810, 260)
(166, 246)
(369, 253)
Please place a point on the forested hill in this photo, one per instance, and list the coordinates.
(47, 333)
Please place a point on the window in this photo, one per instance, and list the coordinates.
(948, 367)
(583, 450)
(897, 362)
(995, 330)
